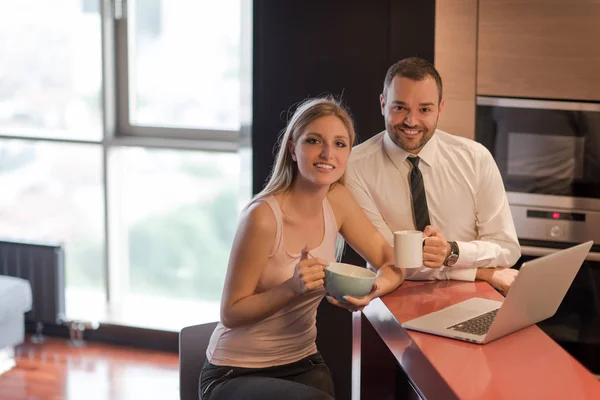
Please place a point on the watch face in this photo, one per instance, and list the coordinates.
(452, 259)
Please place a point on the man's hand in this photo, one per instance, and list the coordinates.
(435, 247)
(500, 278)
(354, 303)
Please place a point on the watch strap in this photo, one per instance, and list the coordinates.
(453, 256)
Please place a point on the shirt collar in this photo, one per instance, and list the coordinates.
(398, 155)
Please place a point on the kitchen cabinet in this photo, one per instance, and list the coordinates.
(546, 49)
(455, 59)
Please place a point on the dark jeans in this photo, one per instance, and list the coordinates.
(306, 379)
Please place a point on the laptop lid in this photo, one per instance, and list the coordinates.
(538, 290)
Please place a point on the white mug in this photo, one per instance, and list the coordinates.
(408, 249)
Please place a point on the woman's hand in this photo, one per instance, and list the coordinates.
(354, 303)
(308, 275)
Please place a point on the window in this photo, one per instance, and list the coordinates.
(52, 192)
(50, 69)
(176, 215)
(120, 136)
(183, 69)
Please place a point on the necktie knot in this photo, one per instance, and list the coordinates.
(414, 161)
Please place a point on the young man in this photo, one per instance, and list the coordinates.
(413, 176)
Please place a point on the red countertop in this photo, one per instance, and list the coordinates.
(526, 364)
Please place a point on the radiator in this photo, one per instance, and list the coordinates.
(43, 266)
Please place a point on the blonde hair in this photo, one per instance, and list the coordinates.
(284, 170)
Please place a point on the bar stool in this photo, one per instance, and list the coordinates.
(193, 341)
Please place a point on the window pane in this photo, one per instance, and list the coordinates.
(53, 192)
(50, 69)
(184, 58)
(177, 211)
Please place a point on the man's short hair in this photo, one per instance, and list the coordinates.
(414, 68)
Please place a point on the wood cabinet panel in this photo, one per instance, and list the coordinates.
(455, 59)
(539, 49)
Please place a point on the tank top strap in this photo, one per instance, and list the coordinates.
(272, 202)
(331, 226)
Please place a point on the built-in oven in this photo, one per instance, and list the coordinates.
(548, 153)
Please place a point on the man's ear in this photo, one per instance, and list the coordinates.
(441, 105)
(382, 103)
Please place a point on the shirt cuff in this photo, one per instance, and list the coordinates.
(463, 274)
(467, 255)
(411, 271)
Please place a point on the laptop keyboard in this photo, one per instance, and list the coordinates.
(479, 325)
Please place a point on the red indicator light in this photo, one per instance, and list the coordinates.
(555, 215)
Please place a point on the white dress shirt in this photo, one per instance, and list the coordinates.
(465, 197)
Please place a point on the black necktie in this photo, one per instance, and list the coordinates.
(419, 198)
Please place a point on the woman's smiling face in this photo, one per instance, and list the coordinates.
(322, 150)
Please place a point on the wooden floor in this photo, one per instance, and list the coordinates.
(56, 371)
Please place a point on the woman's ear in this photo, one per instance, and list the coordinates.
(292, 150)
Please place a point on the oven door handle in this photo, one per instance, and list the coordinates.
(537, 104)
(544, 251)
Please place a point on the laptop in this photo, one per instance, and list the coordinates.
(535, 295)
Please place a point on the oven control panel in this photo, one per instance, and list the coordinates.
(558, 225)
(556, 215)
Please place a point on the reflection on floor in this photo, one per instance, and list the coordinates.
(56, 371)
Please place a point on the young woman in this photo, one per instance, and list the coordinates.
(264, 346)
